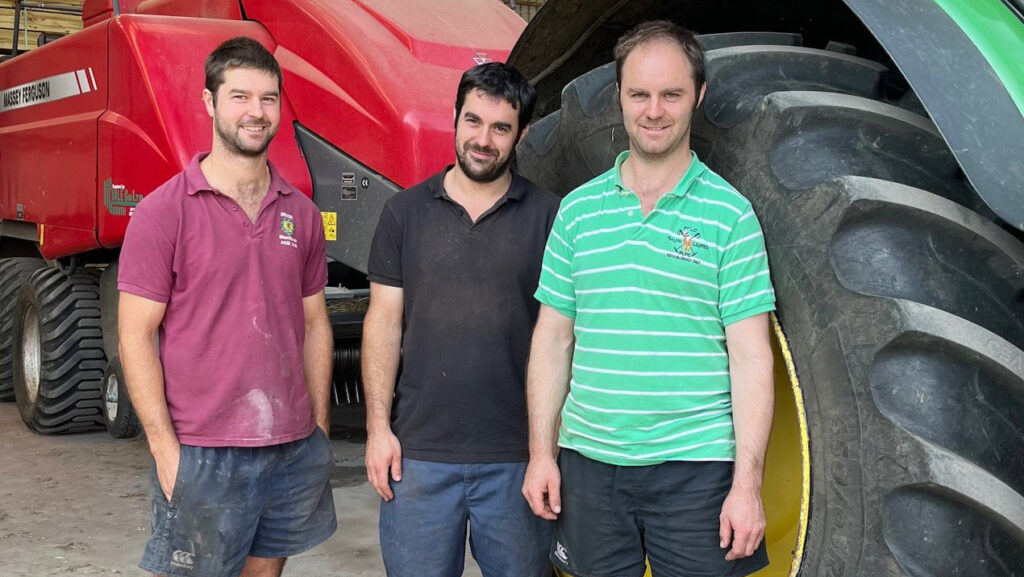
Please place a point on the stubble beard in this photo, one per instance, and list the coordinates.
(489, 173)
(233, 142)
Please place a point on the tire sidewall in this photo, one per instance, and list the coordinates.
(28, 300)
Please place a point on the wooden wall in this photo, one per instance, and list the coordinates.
(38, 20)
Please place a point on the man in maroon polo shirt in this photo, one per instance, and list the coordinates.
(226, 264)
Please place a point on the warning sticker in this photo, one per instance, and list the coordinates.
(330, 225)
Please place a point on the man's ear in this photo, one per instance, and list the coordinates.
(208, 101)
(700, 97)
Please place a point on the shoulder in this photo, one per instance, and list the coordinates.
(718, 193)
(584, 197)
(411, 198)
(166, 204)
(539, 197)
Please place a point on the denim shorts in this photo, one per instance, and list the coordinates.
(613, 517)
(423, 529)
(229, 503)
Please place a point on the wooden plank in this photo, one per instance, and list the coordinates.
(5, 41)
(42, 22)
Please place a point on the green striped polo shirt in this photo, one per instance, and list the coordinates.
(651, 297)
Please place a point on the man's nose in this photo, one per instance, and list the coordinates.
(654, 108)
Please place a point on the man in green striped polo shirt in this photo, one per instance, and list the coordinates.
(651, 357)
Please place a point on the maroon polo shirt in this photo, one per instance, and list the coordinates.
(232, 336)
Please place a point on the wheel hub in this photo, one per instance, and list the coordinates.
(110, 396)
(31, 356)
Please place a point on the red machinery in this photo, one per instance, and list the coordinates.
(93, 121)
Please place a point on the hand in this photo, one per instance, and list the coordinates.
(742, 523)
(542, 487)
(167, 468)
(383, 452)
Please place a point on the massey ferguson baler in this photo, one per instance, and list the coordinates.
(92, 122)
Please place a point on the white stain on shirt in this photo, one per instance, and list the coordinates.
(263, 412)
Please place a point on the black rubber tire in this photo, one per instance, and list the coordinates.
(118, 413)
(58, 315)
(904, 308)
(13, 272)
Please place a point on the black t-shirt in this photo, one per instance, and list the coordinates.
(469, 314)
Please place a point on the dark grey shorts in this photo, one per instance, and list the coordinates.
(613, 517)
(232, 502)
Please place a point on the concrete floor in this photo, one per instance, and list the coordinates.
(79, 505)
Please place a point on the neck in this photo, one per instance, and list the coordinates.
(655, 175)
(236, 175)
(457, 183)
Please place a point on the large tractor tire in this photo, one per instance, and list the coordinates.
(13, 272)
(58, 352)
(901, 301)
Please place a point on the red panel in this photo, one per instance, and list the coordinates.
(378, 78)
(60, 241)
(227, 9)
(375, 77)
(48, 146)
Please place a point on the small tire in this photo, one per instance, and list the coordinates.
(13, 272)
(58, 352)
(118, 413)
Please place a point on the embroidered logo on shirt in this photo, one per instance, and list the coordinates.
(287, 236)
(688, 245)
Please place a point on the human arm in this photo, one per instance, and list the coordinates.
(138, 319)
(742, 521)
(547, 384)
(318, 358)
(382, 343)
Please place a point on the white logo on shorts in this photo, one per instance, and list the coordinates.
(183, 559)
(561, 553)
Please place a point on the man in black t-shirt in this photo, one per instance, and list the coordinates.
(454, 261)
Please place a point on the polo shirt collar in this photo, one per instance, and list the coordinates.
(197, 182)
(695, 170)
(515, 191)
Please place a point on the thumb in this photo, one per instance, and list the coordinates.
(396, 467)
(724, 532)
(555, 496)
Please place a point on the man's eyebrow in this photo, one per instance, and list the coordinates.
(243, 91)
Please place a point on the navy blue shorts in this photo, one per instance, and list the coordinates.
(612, 517)
(229, 503)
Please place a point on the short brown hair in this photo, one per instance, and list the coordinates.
(239, 52)
(646, 32)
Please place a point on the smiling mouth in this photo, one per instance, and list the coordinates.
(254, 129)
(481, 154)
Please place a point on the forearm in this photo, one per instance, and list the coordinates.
(144, 378)
(382, 341)
(753, 397)
(318, 361)
(547, 379)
